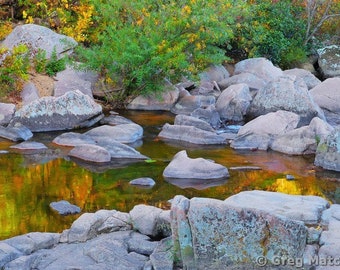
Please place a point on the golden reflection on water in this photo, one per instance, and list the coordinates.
(27, 188)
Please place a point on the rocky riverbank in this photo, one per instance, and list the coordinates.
(257, 107)
(250, 230)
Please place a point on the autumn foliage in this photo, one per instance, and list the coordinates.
(136, 44)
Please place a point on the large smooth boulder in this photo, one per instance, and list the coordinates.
(39, 37)
(260, 67)
(233, 103)
(70, 111)
(329, 61)
(181, 166)
(144, 219)
(7, 111)
(191, 134)
(260, 132)
(303, 140)
(214, 73)
(254, 82)
(125, 133)
(328, 151)
(210, 234)
(308, 77)
(71, 80)
(164, 102)
(327, 96)
(287, 93)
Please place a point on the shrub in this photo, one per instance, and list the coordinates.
(272, 29)
(143, 42)
(14, 68)
(49, 66)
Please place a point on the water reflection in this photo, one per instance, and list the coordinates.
(30, 182)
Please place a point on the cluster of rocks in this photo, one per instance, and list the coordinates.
(260, 107)
(249, 230)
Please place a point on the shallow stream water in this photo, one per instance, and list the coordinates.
(29, 182)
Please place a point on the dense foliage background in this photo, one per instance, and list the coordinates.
(136, 44)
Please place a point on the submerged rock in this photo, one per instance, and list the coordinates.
(144, 181)
(65, 208)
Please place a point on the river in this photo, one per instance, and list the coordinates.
(29, 182)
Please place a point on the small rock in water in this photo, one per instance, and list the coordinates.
(144, 181)
(290, 177)
(65, 208)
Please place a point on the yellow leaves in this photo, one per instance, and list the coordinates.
(24, 14)
(5, 29)
(186, 10)
(192, 37)
(162, 46)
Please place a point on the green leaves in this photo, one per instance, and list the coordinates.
(146, 41)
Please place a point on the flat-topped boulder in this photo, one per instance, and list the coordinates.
(181, 166)
(296, 207)
(191, 134)
(90, 153)
(124, 133)
(72, 139)
(29, 145)
(70, 111)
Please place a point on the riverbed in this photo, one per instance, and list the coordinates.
(30, 182)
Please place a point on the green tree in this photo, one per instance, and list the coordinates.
(272, 29)
(142, 42)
